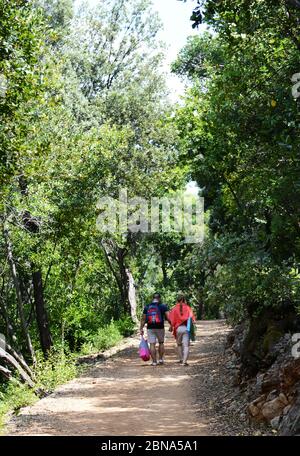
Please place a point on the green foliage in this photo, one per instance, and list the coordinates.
(58, 15)
(125, 326)
(20, 48)
(198, 55)
(13, 396)
(239, 132)
(106, 337)
(247, 282)
(57, 369)
(81, 133)
(231, 16)
(239, 135)
(243, 170)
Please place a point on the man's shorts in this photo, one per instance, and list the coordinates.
(154, 334)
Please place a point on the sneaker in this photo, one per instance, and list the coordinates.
(153, 363)
(161, 361)
(180, 361)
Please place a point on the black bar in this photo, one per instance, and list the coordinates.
(135, 445)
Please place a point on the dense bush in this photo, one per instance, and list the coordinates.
(125, 326)
(107, 336)
(248, 282)
(13, 396)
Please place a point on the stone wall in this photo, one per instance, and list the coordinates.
(274, 391)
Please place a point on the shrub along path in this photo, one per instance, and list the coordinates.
(124, 396)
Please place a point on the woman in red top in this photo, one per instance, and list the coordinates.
(179, 316)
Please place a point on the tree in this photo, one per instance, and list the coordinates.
(218, 13)
(21, 40)
(239, 135)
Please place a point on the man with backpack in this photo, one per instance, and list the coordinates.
(154, 315)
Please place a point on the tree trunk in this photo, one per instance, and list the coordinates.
(11, 361)
(10, 333)
(124, 279)
(6, 373)
(201, 310)
(115, 257)
(268, 230)
(41, 313)
(18, 295)
(19, 358)
(132, 296)
(32, 225)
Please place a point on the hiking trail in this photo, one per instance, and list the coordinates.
(125, 396)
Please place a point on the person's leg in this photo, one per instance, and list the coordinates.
(160, 333)
(179, 344)
(153, 352)
(152, 341)
(185, 345)
(180, 354)
(161, 351)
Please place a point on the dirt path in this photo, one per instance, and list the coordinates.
(124, 396)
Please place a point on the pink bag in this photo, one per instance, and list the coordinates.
(144, 351)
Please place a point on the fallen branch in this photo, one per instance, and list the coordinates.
(20, 360)
(11, 361)
(5, 372)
